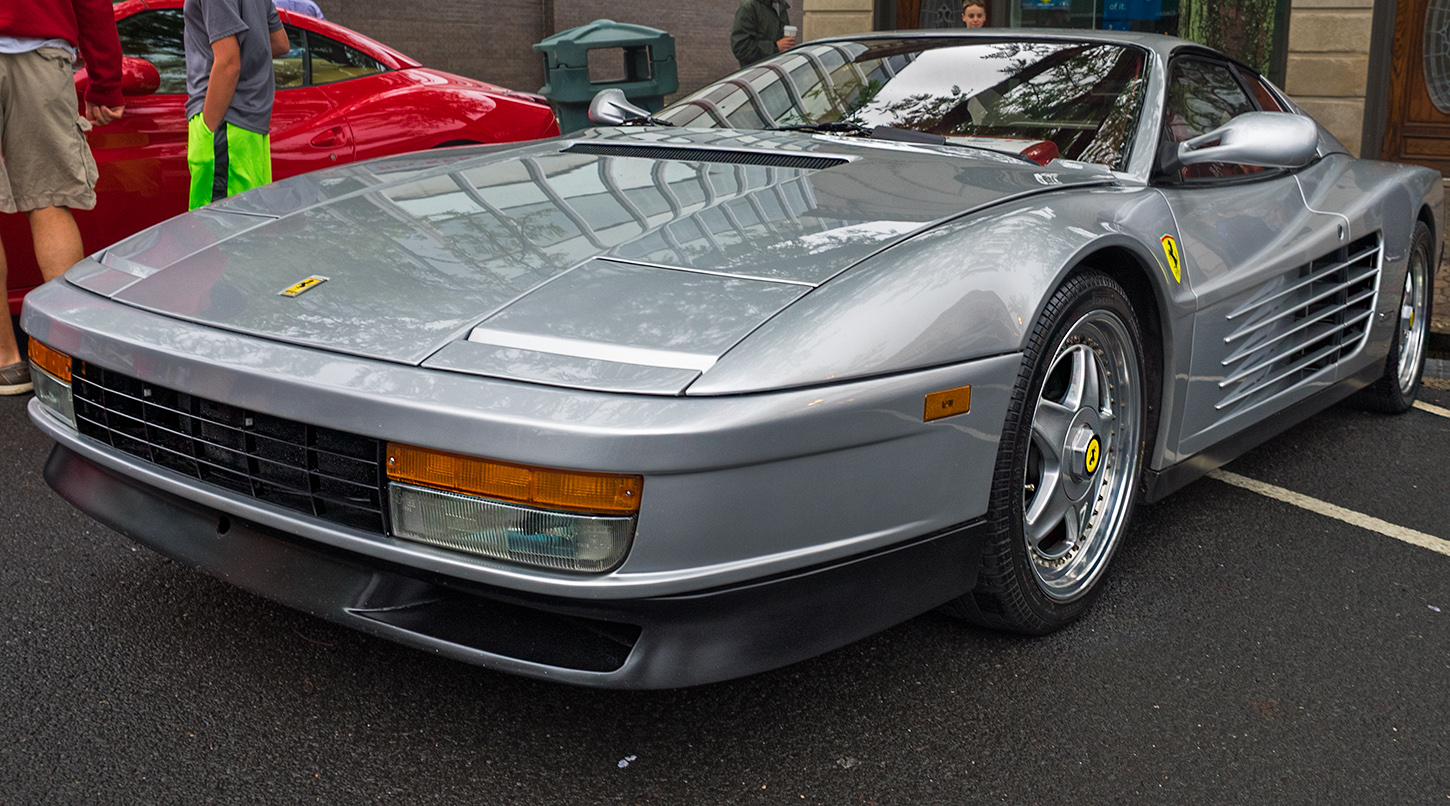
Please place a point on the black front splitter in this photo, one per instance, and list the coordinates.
(661, 642)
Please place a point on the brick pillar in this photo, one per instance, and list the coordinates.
(1329, 63)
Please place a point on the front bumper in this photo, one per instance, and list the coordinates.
(656, 642)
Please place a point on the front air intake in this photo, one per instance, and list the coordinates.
(331, 474)
(773, 159)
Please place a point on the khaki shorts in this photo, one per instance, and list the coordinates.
(46, 161)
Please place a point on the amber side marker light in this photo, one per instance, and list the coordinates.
(948, 402)
(53, 361)
(542, 487)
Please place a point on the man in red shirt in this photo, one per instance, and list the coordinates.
(47, 168)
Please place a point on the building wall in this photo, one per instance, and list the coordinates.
(821, 18)
(1329, 44)
(492, 40)
(484, 39)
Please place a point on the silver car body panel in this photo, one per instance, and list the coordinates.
(697, 455)
(416, 257)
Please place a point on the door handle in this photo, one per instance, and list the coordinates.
(328, 139)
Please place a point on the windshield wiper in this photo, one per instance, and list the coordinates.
(875, 133)
(827, 128)
(645, 120)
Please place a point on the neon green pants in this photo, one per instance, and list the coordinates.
(225, 162)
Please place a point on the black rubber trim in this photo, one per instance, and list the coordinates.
(1159, 484)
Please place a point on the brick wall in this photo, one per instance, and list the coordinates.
(491, 39)
(483, 39)
(1329, 63)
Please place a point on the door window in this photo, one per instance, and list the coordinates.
(1256, 85)
(333, 61)
(156, 36)
(1202, 96)
(290, 68)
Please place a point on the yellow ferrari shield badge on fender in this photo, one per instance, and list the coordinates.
(1175, 261)
(297, 288)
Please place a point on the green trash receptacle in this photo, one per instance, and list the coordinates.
(604, 54)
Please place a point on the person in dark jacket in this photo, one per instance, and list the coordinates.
(759, 30)
(47, 168)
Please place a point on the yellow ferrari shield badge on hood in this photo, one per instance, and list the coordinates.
(299, 287)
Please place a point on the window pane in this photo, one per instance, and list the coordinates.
(1256, 85)
(156, 37)
(1201, 97)
(1083, 97)
(288, 67)
(334, 61)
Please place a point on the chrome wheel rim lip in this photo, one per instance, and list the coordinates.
(1413, 324)
(1071, 524)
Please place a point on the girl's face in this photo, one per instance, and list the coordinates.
(974, 16)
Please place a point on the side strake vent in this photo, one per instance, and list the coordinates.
(1301, 323)
(685, 154)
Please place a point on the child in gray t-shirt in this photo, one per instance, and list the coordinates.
(230, 45)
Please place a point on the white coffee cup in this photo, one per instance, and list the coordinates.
(791, 30)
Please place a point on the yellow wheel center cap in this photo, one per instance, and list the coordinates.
(1092, 455)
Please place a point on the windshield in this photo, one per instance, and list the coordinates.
(1083, 97)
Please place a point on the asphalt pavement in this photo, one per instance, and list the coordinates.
(1245, 650)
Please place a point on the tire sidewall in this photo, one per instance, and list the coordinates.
(1420, 239)
(1079, 295)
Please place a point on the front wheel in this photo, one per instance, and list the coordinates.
(1068, 463)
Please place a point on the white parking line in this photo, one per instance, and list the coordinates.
(1433, 409)
(1339, 513)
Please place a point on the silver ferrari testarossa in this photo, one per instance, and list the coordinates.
(880, 325)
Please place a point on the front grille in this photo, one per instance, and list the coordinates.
(689, 154)
(331, 474)
(1300, 324)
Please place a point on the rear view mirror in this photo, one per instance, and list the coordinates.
(1267, 139)
(138, 76)
(611, 108)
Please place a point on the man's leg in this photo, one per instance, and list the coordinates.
(9, 352)
(14, 372)
(57, 240)
(249, 160)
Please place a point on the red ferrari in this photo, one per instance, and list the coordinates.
(340, 97)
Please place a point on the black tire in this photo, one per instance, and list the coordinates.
(1083, 367)
(1397, 388)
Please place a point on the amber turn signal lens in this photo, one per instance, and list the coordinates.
(948, 402)
(542, 487)
(53, 361)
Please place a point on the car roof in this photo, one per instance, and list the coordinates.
(1162, 45)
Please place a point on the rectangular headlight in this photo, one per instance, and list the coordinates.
(50, 372)
(562, 541)
(567, 520)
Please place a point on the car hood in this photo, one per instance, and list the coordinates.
(620, 259)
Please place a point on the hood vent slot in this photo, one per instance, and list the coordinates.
(1301, 323)
(771, 159)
